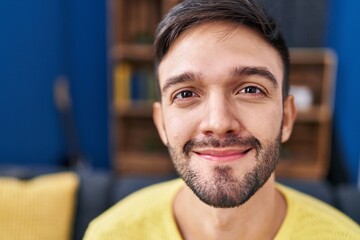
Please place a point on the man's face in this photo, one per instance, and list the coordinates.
(222, 113)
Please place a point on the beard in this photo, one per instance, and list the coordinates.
(223, 189)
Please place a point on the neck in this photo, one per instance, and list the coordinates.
(259, 218)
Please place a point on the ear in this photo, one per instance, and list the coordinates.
(159, 123)
(288, 118)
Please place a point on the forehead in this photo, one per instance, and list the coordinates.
(213, 47)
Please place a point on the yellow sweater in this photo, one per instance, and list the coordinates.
(147, 215)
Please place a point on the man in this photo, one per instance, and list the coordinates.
(223, 77)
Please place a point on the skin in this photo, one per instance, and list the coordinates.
(203, 98)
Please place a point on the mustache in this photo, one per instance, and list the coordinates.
(229, 141)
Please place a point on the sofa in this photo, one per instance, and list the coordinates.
(99, 189)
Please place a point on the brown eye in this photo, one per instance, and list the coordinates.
(185, 94)
(252, 90)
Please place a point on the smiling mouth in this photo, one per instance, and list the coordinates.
(222, 155)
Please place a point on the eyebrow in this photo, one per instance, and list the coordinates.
(181, 78)
(236, 72)
(260, 71)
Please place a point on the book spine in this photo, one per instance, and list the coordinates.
(122, 74)
(133, 86)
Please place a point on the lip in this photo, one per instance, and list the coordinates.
(222, 155)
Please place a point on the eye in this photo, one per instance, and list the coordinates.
(252, 90)
(185, 94)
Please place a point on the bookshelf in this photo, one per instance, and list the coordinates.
(307, 153)
(139, 149)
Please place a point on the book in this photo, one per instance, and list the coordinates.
(122, 75)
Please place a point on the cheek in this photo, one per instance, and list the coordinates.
(263, 123)
(179, 126)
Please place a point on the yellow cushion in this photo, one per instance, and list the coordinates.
(40, 208)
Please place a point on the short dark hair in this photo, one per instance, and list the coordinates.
(190, 13)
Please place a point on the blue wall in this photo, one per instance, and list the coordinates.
(31, 57)
(40, 40)
(87, 66)
(344, 37)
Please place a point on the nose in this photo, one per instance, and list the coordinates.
(220, 117)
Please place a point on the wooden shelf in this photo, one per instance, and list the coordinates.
(317, 114)
(312, 56)
(287, 169)
(151, 163)
(133, 52)
(139, 109)
(139, 149)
